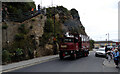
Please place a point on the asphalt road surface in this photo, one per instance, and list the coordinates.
(85, 64)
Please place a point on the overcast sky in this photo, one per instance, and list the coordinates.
(99, 17)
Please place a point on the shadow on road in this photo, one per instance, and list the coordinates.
(68, 58)
(100, 56)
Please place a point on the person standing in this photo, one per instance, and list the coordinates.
(32, 10)
(44, 11)
(39, 8)
(106, 49)
(4, 13)
(116, 57)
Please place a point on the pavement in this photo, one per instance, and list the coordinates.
(26, 63)
(84, 64)
(109, 64)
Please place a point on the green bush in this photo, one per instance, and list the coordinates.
(41, 17)
(33, 20)
(49, 26)
(23, 6)
(6, 56)
(22, 29)
(74, 13)
(19, 52)
(91, 44)
(19, 36)
(5, 26)
(22, 25)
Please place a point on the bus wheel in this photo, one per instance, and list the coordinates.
(75, 56)
(86, 54)
(61, 56)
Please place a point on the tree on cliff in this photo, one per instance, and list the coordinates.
(74, 14)
(18, 9)
(13, 7)
(91, 44)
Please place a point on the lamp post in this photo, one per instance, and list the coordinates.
(53, 17)
(108, 38)
(52, 3)
(54, 39)
(41, 4)
(54, 21)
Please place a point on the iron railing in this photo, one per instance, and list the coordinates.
(22, 17)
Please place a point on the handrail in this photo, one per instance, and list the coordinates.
(22, 17)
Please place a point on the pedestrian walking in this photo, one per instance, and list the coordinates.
(116, 57)
(109, 55)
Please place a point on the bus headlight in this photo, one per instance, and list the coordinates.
(71, 51)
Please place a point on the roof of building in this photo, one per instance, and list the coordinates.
(105, 42)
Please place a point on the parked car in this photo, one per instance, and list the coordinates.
(100, 52)
(96, 47)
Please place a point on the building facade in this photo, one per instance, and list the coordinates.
(104, 43)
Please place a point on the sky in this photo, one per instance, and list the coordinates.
(99, 17)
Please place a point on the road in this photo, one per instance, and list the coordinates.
(85, 64)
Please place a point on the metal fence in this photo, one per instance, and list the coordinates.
(22, 17)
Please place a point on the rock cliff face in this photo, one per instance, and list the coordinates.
(35, 26)
(25, 35)
(69, 19)
(74, 24)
